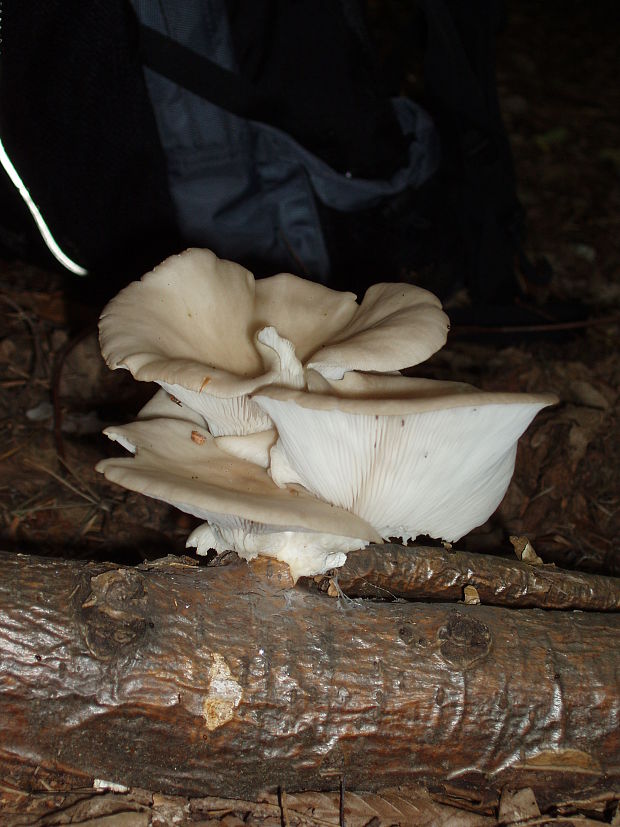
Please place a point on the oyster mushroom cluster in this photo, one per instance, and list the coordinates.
(283, 422)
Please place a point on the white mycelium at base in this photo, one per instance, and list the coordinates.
(306, 552)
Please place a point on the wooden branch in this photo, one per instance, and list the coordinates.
(225, 681)
(420, 573)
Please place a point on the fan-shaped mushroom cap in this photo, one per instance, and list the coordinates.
(410, 456)
(254, 447)
(193, 320)
(180, 463)
(210, 334)
(396, 326)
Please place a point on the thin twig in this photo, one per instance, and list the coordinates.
(542, 493)
(23, 512)
(12, 383)
(62, 481)
(11, 451)
(550, 327)
(21, 373)
(76, 476)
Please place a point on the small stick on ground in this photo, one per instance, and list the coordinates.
(392, 571)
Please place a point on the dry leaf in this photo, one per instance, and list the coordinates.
(579, 441)
(7, 350)
(392, 808)
(525, 550)
(472, 598)
(517, 805)
(586, 394)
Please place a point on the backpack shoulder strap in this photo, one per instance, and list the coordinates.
(202, 76)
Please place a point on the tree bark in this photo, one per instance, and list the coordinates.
(422, 573)
(225, 681)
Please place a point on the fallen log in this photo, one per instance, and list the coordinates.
(429, 573)
(225, 681)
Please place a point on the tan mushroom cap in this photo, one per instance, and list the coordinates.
(254, 447)
(427, 458)
(193, 321)
(396, 326)
(305, 313)
(163, 405)
(180, 463)
(393, 395)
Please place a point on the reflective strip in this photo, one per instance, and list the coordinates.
(48, 238)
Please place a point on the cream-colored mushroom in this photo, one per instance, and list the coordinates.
(253, 447)
(164, 405)
(210, 334)
(266, 428)
(396, 326)
(179, 462)
(409, 456)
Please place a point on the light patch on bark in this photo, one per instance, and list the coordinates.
(224, 694)
(563, 760)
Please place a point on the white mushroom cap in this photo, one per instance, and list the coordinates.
(254, 447)
(193, 321)
(163, 405)
(210, 334)
(381, 388)
(180, 463)
(396, 326)
(410, 456)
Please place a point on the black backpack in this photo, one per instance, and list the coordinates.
(261, 130)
